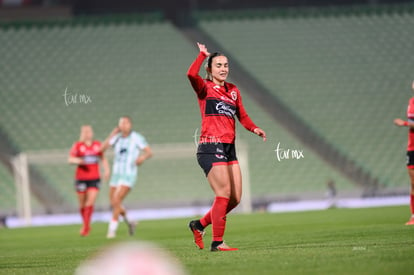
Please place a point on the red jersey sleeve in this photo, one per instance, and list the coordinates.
(196, 80)
(74, 150)
(243, 117)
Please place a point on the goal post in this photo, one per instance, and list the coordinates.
(167, 154)
(22, 182)
(243, 157)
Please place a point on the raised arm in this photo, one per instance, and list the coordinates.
(193, 72)
(106, 144)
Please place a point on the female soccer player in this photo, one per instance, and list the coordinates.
(131, 150)
(410, 149)
(220, 102)
(86, 154)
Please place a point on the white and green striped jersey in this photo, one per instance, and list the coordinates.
(127, 150)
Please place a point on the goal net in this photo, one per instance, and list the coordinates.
(170, 179)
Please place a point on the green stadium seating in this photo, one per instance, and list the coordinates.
(137, 69)
(347, 75)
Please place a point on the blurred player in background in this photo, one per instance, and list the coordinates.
(86, 154)
(220, 102)
(131, 150)
(410, 149)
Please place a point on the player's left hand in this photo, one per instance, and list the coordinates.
(260, 133)
(399, 122)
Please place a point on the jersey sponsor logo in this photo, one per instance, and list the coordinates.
(123, 150)
(226, 109)
(90, 159)
(217, 107)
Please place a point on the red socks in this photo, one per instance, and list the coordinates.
(412, 203)
(218, 217)
(86, 213)
(206, 220)
(82, 212)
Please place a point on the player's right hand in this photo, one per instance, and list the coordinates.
(115, 131)
(203, 49)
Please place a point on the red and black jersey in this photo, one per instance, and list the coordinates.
(90, 155)
(218, 107)
(410, 117)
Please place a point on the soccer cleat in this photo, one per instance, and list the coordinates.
(111, 235)
(131, 228)
(198, 234)
(223, 247)
(410, 222)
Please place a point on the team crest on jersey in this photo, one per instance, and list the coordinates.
(233, 95)
(82, 148)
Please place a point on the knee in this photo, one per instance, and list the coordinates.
(224, 192)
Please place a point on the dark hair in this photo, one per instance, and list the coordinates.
(127, 117)
(210, 58)
(210, 61)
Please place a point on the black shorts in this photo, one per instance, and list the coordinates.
(410, 159)
(211, 154)
(82, 186)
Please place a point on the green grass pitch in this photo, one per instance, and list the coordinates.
(335, 241)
